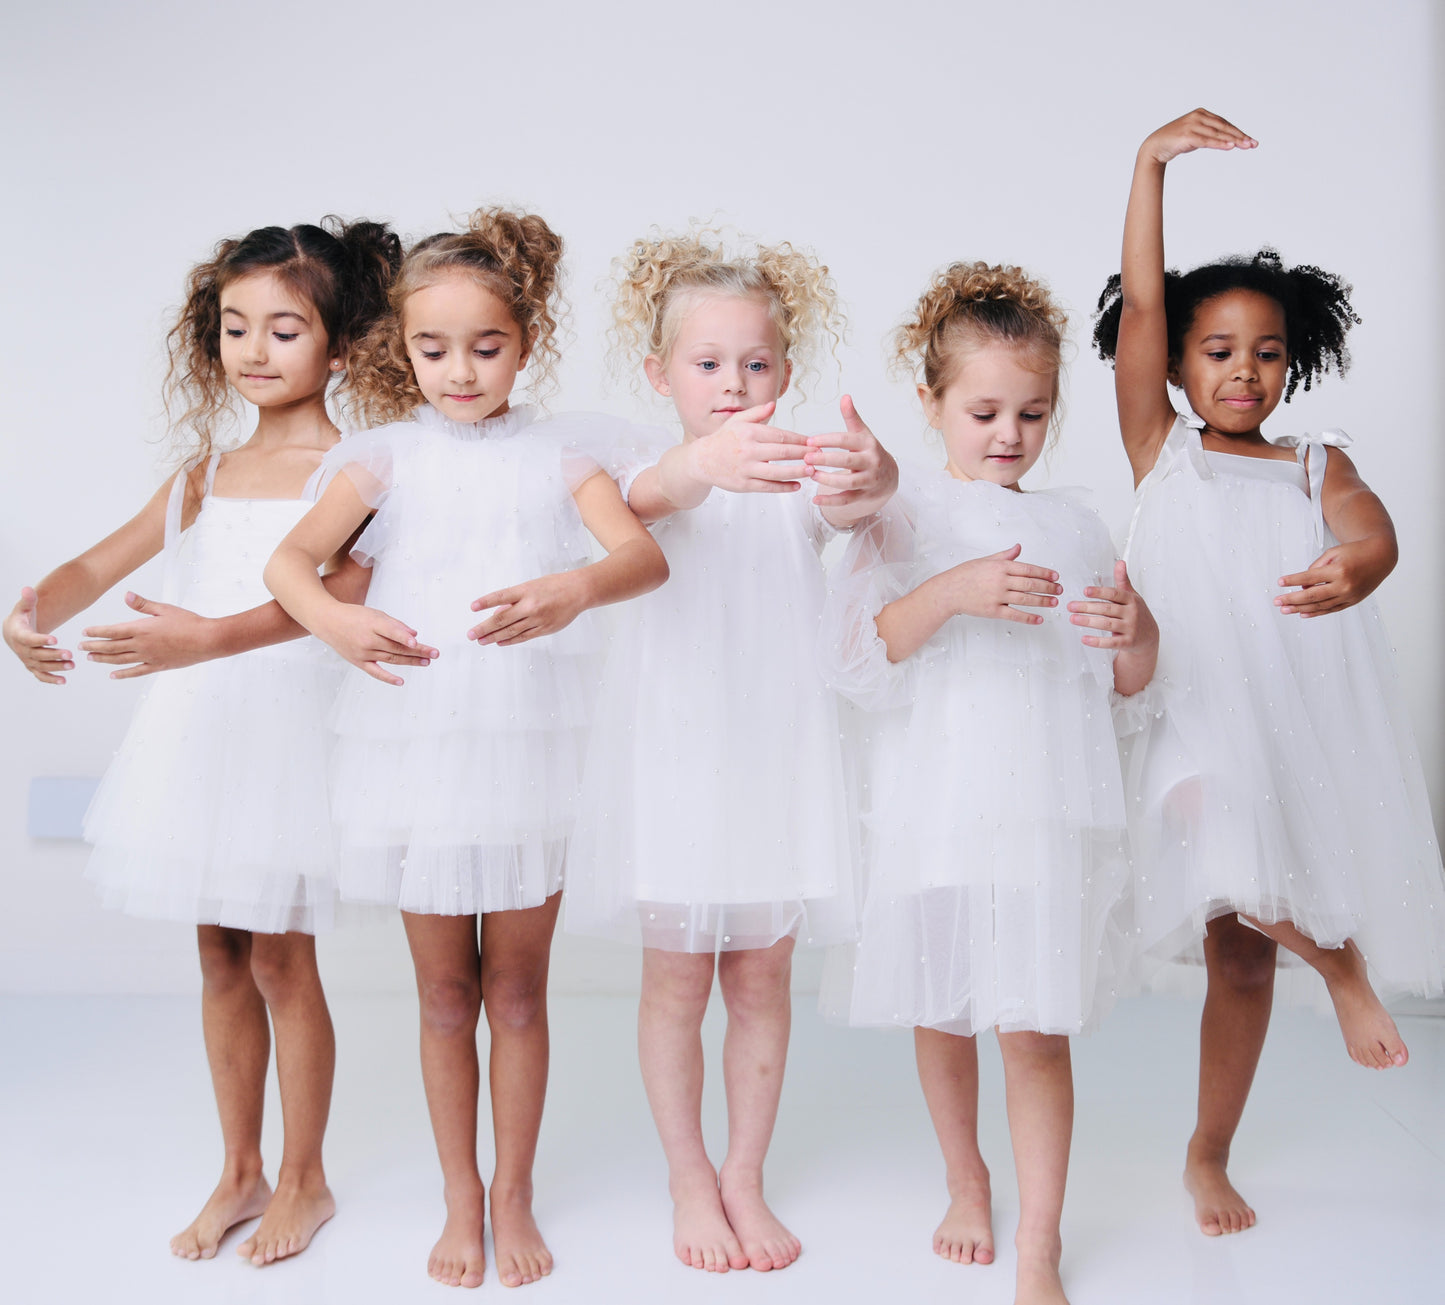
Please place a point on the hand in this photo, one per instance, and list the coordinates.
(169, 637)
(860, 467)
(1339, 578)
(528, 611)
(747, 456)
(37, 652)
(1119, 611)
(993, 586)
(367, 638)
(1197, 130)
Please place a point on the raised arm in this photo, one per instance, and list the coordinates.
(363, 636)
(1141, 360)
(73, 587)
(634, 565)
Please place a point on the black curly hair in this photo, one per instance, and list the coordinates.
(1317, 310)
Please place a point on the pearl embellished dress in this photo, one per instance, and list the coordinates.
(1281, 778)
(995, 865)
(455, 794)
(214, 810)
(714, 815)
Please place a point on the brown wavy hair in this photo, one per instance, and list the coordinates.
(516, 256)
(658, 277)
(343, 269)
(971, 305)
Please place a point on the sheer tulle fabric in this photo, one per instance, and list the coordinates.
(215, 809)
(1280, 779)
(456, 793)
(713, 811)
(996, 878)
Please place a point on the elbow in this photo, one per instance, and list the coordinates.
(273, 576)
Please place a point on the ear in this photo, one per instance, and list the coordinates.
(526, 355)
(1172, 374)
(932, 413)
(656, 375)
(787, 378)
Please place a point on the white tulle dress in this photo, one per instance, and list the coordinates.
(1280, 779)
(996, 872)
(455, 794)
(214, 810)
(714, 815)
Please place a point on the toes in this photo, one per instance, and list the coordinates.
(1210, 1225)
(983, 1254)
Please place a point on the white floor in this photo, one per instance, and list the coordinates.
(108, 1144)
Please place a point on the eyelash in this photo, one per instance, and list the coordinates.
(757, 366)
(236, 332)
(481, 353)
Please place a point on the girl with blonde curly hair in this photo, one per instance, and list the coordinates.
(453, 790)
(994, 851)
(713, 828)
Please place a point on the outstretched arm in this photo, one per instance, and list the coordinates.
(1141, 361)
(1354, 568)
(863, 474)
(634, 565)
(72, 588)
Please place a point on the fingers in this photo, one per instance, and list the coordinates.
(852, 422)
(497, 599)
(759, 414)
(1008, 555)
(133, 672)
(1222, 128)
(136, 603)
(1316, 575)
(379, 672)
(1027, 571)
(107, 634)
(838, 500)
(1121, 576)
(1024, 618)
(837, 458)
(789, 439)
(1314, 601)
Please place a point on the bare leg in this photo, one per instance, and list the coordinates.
(1371, 1037)
(948, 1073)
(1040, 1086)
(754, 985)
(284, 968)
(1240, 964)
(675, 988)
(449, 986)
(238, 1046)
(516, 946)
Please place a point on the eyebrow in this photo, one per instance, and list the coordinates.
(285, 312)
(1229, 335)
(986, 398)
(442, 335)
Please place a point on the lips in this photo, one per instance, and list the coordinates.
(1242, 400)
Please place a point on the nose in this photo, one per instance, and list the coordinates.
(1011, 433)
(735, 381)
(1245, 369)
(460, 368)
(253, 352)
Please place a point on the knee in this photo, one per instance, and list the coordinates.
(1244, 960)
(225, 958)
(1044, 1052)
(450, 1006)
(754, 983)
(281, 965)
(515, 999)
(676, 985)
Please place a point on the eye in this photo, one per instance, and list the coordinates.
(235, 332)
(285, 337)
(1033, 416)
(707, 365)
(1268, 355)
(983, 416)
(430, 355)
(487, 353)
(757, 365)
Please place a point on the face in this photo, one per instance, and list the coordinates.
(993, 415)
(1234, 362)
(273, 346)
(465, 348)
(727, 357)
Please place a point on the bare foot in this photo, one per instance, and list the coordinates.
(291, 1219)
(233, 1202)
(522, 1255)
(1371, 1037)
(459, 1259)
(701, 1234)
(766, 1243)
(966, 1234)
(1038, 1281)
(1218, 1208)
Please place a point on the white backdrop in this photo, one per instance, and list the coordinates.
(891, 139)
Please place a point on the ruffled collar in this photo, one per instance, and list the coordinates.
(510, 422)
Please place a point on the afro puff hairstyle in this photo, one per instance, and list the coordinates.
(1317, 310)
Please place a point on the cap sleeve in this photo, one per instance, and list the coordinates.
(367, 459)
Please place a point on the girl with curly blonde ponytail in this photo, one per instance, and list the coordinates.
(695, 838)
(996, 874)
(454, 790)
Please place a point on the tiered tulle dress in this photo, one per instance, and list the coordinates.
(995, 858)
(713, 813)
(455, 794)
(214, 810)
(1281, 778)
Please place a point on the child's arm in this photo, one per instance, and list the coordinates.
(986, 586)
(864, 473)
(1141, 360)
(72, 588)
(1129, 629)
(745, 455)
(634, 565)
(362, 635)
(170, 637)
(1355, 567)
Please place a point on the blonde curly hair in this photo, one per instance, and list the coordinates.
(661, 275)
(516, 256)
(970, 305)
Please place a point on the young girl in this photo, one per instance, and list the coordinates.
(713, 818)
(453, 793)
(215, 810)
(1278, 797)
(996, 871)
